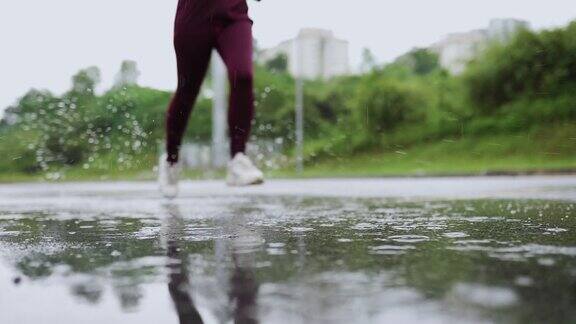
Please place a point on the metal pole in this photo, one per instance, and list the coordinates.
(219, 107)
(299, 102)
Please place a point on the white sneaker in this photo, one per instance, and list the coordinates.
(242, 172)
(168, 175)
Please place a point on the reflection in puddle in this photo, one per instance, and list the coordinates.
(294, 260)
(179, 282)
(485, 296)
(243, 287)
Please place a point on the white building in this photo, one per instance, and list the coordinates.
(313, 54)
(505, 29)
(456, 50)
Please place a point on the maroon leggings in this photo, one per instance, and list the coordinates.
(198, 30)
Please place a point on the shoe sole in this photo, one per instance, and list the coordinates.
(170, 195)
(253, 183)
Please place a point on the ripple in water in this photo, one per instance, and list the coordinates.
(409, 238)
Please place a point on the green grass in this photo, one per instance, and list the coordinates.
(542, 150)
(434, 160)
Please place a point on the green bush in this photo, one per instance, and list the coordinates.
(383, 104)
(531, 67)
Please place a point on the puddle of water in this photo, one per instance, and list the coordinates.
(292, 260)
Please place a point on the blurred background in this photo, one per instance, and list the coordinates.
(384, 89)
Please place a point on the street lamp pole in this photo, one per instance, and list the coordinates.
(299, 103)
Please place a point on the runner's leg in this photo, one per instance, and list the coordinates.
(234, 43)
(193, 52)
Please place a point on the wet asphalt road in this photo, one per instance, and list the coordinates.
(426, 250)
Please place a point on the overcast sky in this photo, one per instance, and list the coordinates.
(42, 43)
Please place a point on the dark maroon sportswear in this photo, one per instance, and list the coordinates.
(200, 26)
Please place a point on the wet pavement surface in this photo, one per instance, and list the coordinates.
(446, 250)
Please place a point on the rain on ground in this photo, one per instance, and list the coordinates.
(426, 250)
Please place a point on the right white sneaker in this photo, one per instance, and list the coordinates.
(168, 175)
(242, 172)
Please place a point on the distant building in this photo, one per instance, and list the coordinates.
(313, 54)
(456, 50)
(504, 29)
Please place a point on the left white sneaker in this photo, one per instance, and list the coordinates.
(242, 172)
(168, 175)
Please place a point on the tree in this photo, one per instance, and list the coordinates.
(368, 61)
(128, 74)
(85, 81)
(420, 61)
(278, 63)
(425, 61)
